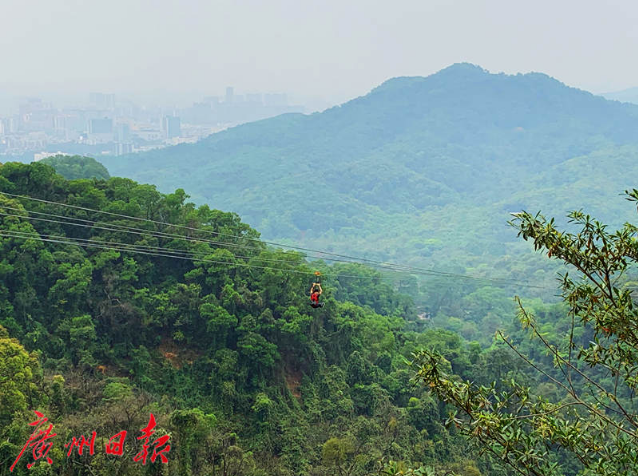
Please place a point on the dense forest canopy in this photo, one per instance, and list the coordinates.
(423, 170)
(77, 167)
(118, 301)
(102, 325)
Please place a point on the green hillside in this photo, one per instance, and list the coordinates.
(425, 170)
(107, 317)
(77, 167)
(101, 325)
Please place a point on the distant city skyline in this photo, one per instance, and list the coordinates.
(105, 124)
(329, 50)
(10, 103)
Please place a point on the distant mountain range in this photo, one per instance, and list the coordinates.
(626, 95)
(424, 169)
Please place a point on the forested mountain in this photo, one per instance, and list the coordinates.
(117, 301)
(420, 169)
(106, 317)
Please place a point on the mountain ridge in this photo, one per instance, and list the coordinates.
(462, 139)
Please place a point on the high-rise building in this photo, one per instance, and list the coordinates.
(100, 130)
(122, 133)
(171, 127)
(229, 94)
(122, 149)
(11, 125)
(101, 126)
(36, 115)
(75, 122)
(60, 126)
(59, 123)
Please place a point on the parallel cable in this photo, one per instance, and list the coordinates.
(201, 230)
(170, 253)
(156, 234)
(174, 251)
(149, 233)
(350, 259)
(30, 236)
(153, 234)
(110, 246)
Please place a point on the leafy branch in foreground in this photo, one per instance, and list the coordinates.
(595, 367)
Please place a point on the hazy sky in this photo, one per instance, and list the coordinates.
(334, 49)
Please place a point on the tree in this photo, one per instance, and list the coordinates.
(191, 427)
(77, 167)
(595, 420)
(338, 452)
(122, 328)
(18, 370)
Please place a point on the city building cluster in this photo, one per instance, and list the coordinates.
(108, 126)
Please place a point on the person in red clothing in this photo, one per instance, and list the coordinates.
(315, 292)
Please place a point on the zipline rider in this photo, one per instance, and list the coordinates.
(315, 292)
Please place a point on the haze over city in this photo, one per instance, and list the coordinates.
(318, 52)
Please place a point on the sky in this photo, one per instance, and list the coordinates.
(330, 50)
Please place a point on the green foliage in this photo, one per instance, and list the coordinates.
(18, 374)
(586, 421)
(338, 452)
(115, 391)
(247, 378)
(423, 171)
(77, 167)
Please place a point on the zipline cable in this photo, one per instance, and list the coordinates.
(200, 230)
(157, 234)
(167, 251)
(109, 246)
(29, 236)
(187, 253)
(351, 259)
(348, 259)
(151, 233)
